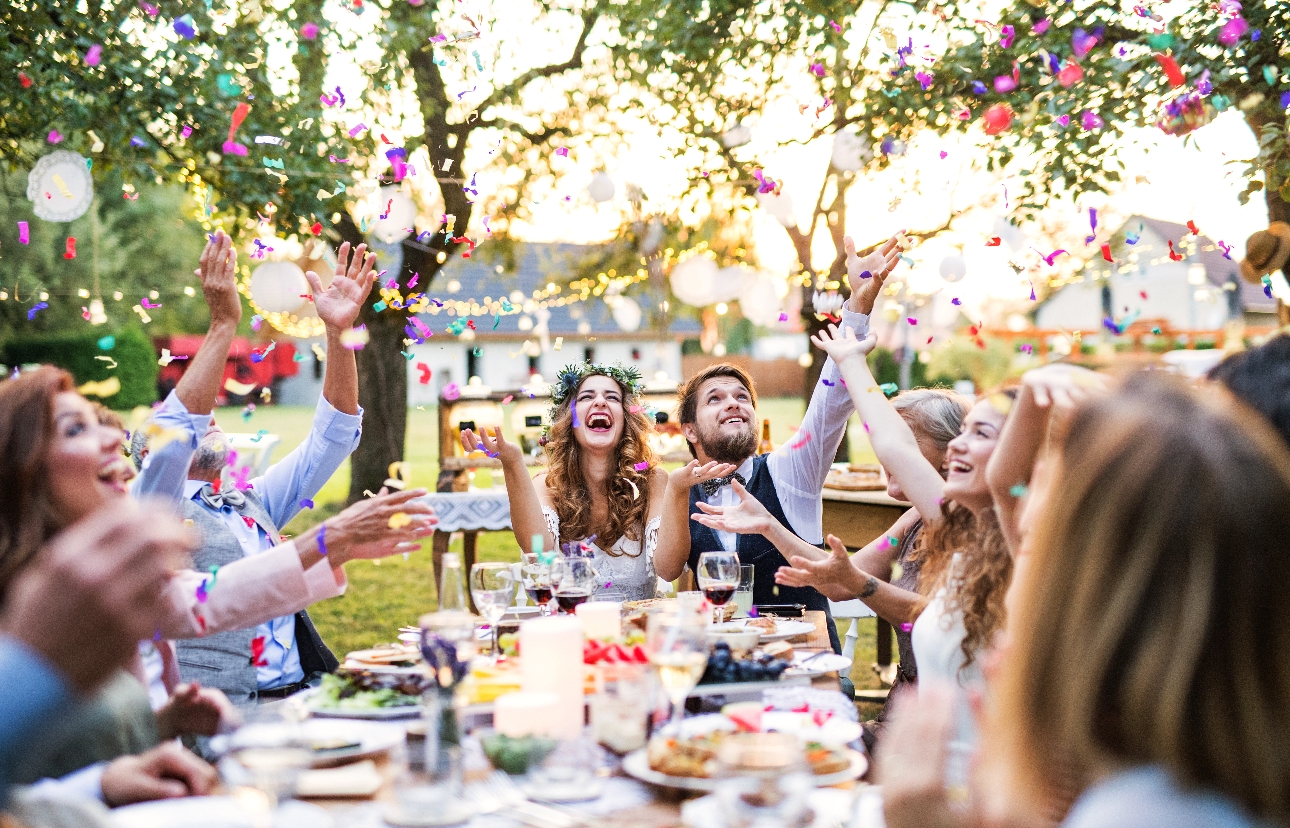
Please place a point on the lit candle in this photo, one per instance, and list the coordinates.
(551, 662)
(601, 619)
(525, 714)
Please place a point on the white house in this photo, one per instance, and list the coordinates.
(1203, 290)
(542, 333)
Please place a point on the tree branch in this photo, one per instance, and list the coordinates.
(505, 93)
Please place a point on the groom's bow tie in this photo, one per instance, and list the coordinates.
(710, 487)
(218, 500)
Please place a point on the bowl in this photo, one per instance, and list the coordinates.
(740, 638)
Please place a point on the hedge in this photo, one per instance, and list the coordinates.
(136, 361)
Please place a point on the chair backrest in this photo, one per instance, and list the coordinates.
(855, 608)
(256, 448)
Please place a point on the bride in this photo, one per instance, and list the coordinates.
(603, 489)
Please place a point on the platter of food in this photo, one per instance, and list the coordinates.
(866, 477)
(396, 659)
(364, 694)
(768, 629)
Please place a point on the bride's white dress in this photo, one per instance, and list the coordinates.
(629, 569)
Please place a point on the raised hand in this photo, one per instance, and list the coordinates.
(692, 473)
(338, 305)
(193, 709)
(865, 289)
(1061, 386)
(380, 526)
(217, 270)
(494, 444)
(749, 517)
(843, 345)
(826, 574)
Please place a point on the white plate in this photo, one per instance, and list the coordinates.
(216, 812)
(819, 665)
(379, 714)
(786, 628)
(371, 738)
(636, 764)
(415, 670)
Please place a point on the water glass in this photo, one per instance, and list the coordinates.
(744, 594)
(492, 586)
(620, 710)
(763, 779)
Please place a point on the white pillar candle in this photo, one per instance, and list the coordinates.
(525, 714)
(551, 662)
(601, 619)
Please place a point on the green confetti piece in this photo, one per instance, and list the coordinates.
(888, 388)
(379, 306)
(497, 320)
(406, 355)
(1270, 75)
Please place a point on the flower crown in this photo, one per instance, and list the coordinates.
(571, 376)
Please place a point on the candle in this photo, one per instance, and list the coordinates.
(525, 714)
(601, 619)
(551, 662)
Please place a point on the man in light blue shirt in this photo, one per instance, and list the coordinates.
(239, 518)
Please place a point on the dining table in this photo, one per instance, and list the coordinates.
(625, 802)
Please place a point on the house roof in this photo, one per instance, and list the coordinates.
(1218, 268)
(487, 277)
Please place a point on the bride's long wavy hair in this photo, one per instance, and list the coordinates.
(627, 488)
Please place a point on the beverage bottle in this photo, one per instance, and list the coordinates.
(765, 446)
(452, 585)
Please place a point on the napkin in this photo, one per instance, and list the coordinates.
(359, 779)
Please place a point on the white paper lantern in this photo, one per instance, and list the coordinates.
(277, 287)
(399, 222)
(627, 313)
(736, 136)
(851, 151)
(953, 268)
(780, 207)
(762, 302)
(60, 187)
(732, 282)
(693, 281)
(601, 188)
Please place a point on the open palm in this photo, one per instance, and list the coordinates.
(338, 305)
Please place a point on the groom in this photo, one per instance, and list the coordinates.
(717, 414)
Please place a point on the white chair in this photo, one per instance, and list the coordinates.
(853, 610)
(254, 450)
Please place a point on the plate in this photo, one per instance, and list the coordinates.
(787, 628)
(216, 812)
(636, 765)
(369, 738)
(382, 668)
(818, 665)
(377, 714)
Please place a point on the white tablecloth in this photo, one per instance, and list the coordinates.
(488, 509)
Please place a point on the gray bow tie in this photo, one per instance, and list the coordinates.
(218, 500)
(710, 487)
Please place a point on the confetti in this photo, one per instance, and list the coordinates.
(36, 308)
(257, 652)
(801, 441)
(355, 338)
(451, 391)
(185, 27)
(239, 389)
(1018, 490)
(399, 519)
(70, 252)
(94, 55)
(109, 387)
(109, 360)
(1173, 254)
(424, 379)
(994, 241)
(357, 128)
(1106, 253)
(240, 112)
(24, 233)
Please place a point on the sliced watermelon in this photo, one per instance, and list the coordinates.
(745, 715)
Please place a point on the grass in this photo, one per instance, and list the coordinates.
(384, 595)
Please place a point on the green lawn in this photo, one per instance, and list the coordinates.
(384, 595)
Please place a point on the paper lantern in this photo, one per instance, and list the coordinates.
(779, 206)
(850, 151)
(399, 221)
(732, 282)
(60, 187)
(953, 268)
(997, 118)
(693, 280)
(762, 302)
(627, 313)
(601, 188)
(277, 287)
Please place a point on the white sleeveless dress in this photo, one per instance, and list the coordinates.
(629, 570)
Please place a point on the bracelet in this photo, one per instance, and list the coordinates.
(322, 539)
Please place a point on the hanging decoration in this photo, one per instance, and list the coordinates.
(60, 187)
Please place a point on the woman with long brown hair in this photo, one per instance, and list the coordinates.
(1146, 660)
(603, 489)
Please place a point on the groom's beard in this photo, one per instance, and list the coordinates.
(728, 448)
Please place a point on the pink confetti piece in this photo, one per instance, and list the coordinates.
(94, 55)
(507, 398)
(801, 441)
(309, 31)
(353, 133)
(562, 152)
(783, 317)
(451, 391)
(641, 467)
(911, 320)
(54, 136)
(185, 132)
(24, 234)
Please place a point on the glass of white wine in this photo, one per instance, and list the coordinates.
(678, 648)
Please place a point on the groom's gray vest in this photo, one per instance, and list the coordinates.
(223, 660)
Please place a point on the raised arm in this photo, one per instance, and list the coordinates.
(201, 382)
(750, 517)
(840, 580)
(1058, 387)
(526, 507)
(338, 307)
(892, 440)
(673, 548)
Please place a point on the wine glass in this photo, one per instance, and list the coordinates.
(493, 587)
(269, 751)
(536, 577)
(718, 577)
(678, 648)
(763, 779)
(573, 579)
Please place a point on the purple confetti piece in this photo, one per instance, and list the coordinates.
(36, 308)
(306, 503)
(353, 133)
(24, 233)
(641, 467)
(829, 383)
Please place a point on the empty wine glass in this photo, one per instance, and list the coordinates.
(492, 586)
(573, 580)
(763, 779)
(718, 577)
(536, 577)
(678, 648)
(269, 751)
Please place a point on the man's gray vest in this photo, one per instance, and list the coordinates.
(223, 660)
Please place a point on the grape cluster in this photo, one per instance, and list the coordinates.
(724, 668)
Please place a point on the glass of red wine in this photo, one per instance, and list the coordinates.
(536, 579)
(718, 577)
(573, 580)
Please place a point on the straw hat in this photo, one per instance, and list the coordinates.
(1266, 251)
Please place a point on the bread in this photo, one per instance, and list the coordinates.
(779, 649)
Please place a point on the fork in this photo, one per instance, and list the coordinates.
(499, 793)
